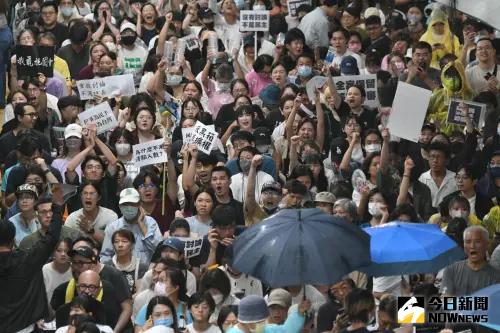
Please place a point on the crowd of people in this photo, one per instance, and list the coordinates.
(91, 242)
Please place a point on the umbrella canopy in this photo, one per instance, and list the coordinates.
(493, 309)
(301, 246)
(408, 248)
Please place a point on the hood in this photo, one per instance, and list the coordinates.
(457, 65)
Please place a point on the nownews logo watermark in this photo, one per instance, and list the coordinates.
(458, 310)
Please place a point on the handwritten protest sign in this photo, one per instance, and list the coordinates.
(109, 86)
(204, 138)
(187, 135)
(408, 111)
(476, 113)
(101, 115)
(294, 4)
(369, 82)
(147, 153)
(31, 60)
(254, 20)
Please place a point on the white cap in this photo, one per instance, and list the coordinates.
(73, 130)
(127, 25)
(129, 195)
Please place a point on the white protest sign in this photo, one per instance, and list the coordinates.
(312, 84)
(101, 115)
(408, 111)
(369, 82)
(254, 20)
(192, 42)
(147, 153)
(294, 4)
(476, 113)
(109, 86)
(204, 138)
(187, 135)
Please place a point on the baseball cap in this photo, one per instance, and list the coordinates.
(396, 22)
(325, 197)
(27, 188)
(279, 297)
(127, 25)
(174, 243)
(262, 136)
(270, 95)
(129, 195)
(271, 186)
(73, 130)
(349, 66)
(83, 251)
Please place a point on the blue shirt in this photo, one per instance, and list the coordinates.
(268, 166)
(21, 230)
(144, 246)
(181, 310)
(293, 324)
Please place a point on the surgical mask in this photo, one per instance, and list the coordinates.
(73, 144)
(355, 47)
(373, 148)
(122, 149)
(222, 86)
(128, 40)
(495, 172)
(452, 83)
(374, 209)
(458, 213)
(129, 212)
(173, 80)
(413, 18)
(259, 7)
(240, 4)
(111, 46)
(164, 321)
(227, 327)
(262, 148)
(160, 289)
(218, 298)
(245, 165)
(66, 11)
(304, 71)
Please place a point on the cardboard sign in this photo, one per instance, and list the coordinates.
(369, 82)
(408, 111)
(31, 60)
(147, 153)
(254, 20)
(476, 113)
(204, 138)
(101, 115)
(294, 4)
(109, 86)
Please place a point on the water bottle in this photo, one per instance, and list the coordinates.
(213, 45)
(179, 51)
(181, 323)
(168, 52)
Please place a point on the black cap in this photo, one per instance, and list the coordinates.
(429, 126)
(83, 251)
(262, 136)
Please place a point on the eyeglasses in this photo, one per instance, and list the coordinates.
(32, 114)
(89, 287)
(93, 167)
(45, 212)
(147, 186)
(89, 194)
(462, 177)
(270, 193)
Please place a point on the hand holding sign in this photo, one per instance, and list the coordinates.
(150, 152)
(100, 116)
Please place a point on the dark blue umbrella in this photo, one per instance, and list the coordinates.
(408, 248)
(492, 295)
(301, 246)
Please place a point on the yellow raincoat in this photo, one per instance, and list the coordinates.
(450, 42)
(440, 99)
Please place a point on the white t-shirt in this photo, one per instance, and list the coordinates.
(53, 278)
(239, 184)
(104, 217)
(475, 77)
(211, 329)
(132, 61)
(102, 328)
(245, 284)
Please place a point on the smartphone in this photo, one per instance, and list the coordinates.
(488, 76)
(280, 39)
(329, 56)
(105, 14)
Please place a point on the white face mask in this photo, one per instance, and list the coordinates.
(373, 148)
(374, 209)
(218, 298)
(122, 149)
(457, 213)
(259, 7)
(111, 46)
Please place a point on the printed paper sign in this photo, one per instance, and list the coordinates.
(312, 84)
(294, 4)
(147, 153)
(476, 113)
(109, 86)
(204, 138)
(369, 82)
(101, 115)
(31, 60)
(408, 111)
(187, 135)
(254, 20)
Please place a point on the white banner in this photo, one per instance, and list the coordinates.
(109, 86)
(101, 115)
(147, 153)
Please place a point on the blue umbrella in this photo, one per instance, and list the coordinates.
(408, 248)
(493, 294)
(301, 246)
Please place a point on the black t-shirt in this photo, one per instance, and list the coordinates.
(61, 33)
(382, 45)
(367, 118)
(8, 143)
(76, 60)
(205, 251)
(18, 175)
(358, 330)
(238, 209)
(327, 314)
(116, 278)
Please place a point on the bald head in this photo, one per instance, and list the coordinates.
(89, 283)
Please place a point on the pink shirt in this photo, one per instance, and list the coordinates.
(256, 82)
(216, 99)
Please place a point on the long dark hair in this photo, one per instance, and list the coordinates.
(165, 301)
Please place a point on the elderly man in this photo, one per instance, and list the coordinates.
(474, 273)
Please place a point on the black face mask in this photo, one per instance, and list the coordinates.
(128, 40)
(103, 73)
(270, 211)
